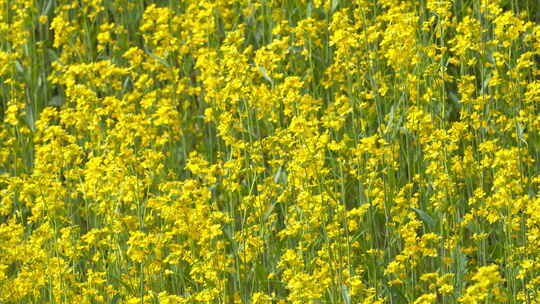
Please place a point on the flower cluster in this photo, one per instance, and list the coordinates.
(269, 151)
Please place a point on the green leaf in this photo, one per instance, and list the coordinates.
(335, 4)
(426, 218)
(48, 8)
(265, 75)
(56, 101)
(345, 294)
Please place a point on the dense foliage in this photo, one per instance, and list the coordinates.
(269, 151)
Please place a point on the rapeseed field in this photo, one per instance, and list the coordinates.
(269, 151)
